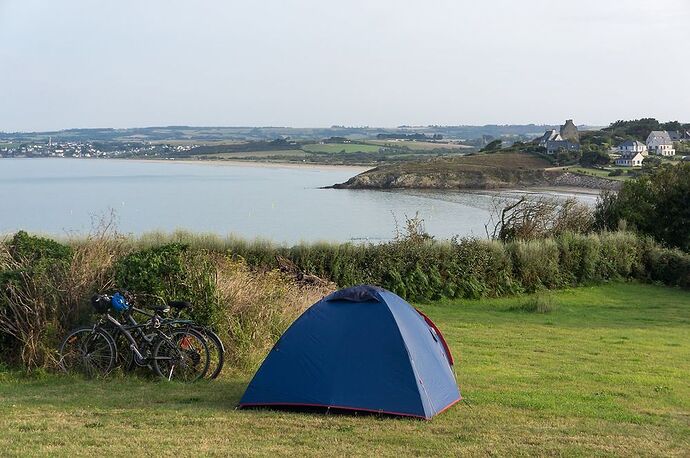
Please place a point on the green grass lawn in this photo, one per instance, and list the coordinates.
(602, 173)
(607, 372)
(340, 147)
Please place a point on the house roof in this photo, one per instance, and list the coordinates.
(660, 135)
(565, 144)
(549, 135)
(674, 135)
(631, 143)
(631, 156)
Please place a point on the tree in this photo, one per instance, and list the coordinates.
(567, 157)
(637, 129)
(595, 157)
(650, 163)
(535, 218)
(654, 204)
(493, 146)
(671, 125)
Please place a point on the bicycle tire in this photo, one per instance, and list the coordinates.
(88, 350)
(181, 351)
(219, 352)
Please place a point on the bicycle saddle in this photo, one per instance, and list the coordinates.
(179, 304)
(161, 309)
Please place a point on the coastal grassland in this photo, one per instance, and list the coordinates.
(603, 373)
(292, 153)
(340, 147)
(471, 163)
(420, 145)
(602, 173)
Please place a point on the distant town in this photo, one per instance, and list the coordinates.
(87, 149)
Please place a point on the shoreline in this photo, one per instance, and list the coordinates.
(557, 189)
(231, 162)
(259, 164)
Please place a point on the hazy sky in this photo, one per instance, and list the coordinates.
(87, 63)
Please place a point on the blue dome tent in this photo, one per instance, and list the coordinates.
(358, 349)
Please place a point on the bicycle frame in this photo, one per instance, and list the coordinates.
(173, 320)
(133, 346)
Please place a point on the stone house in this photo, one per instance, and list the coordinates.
(569, 132)
(568, 139)
(549, 136)
(554, 146)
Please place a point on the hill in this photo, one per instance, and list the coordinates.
(201, 134)
(475, 171)
(636, 129)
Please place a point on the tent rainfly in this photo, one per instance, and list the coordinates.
(358, 349)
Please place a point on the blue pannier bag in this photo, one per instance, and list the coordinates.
(119, 303)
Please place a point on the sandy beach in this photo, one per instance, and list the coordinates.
(235, 163)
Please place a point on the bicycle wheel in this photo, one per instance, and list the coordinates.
(216, 353)
(125, 355)
(183, 356)
(88, 351)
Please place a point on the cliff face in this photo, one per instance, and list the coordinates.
(468, 179)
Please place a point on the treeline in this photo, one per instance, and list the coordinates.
(278, 144)
(619, 131)
(413, 136)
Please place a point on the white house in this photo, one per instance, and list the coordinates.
(632, 146)
(632, 159)
(660, 142)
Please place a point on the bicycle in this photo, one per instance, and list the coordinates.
(212, 340)
(179, 354)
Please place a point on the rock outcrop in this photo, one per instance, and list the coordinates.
(471, 179)
(480, 171)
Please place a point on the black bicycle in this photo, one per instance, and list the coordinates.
(172, 353)
(176, 322)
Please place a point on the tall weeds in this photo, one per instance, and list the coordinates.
(236, 286)
(256, 308)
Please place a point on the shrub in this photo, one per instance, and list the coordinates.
(235, 286)
(481, 268)
(619, 255)
(536, 263)
(255, 308)
(667, 266)
(172, 272)
(31, 272)
(655, 204)
(540, 303)
(578, 257)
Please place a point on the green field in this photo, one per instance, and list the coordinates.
(340, 147)
(604, 373)
(602, 173)
(420, 145)
(289, 153)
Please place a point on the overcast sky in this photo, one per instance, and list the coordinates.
(86, 63)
